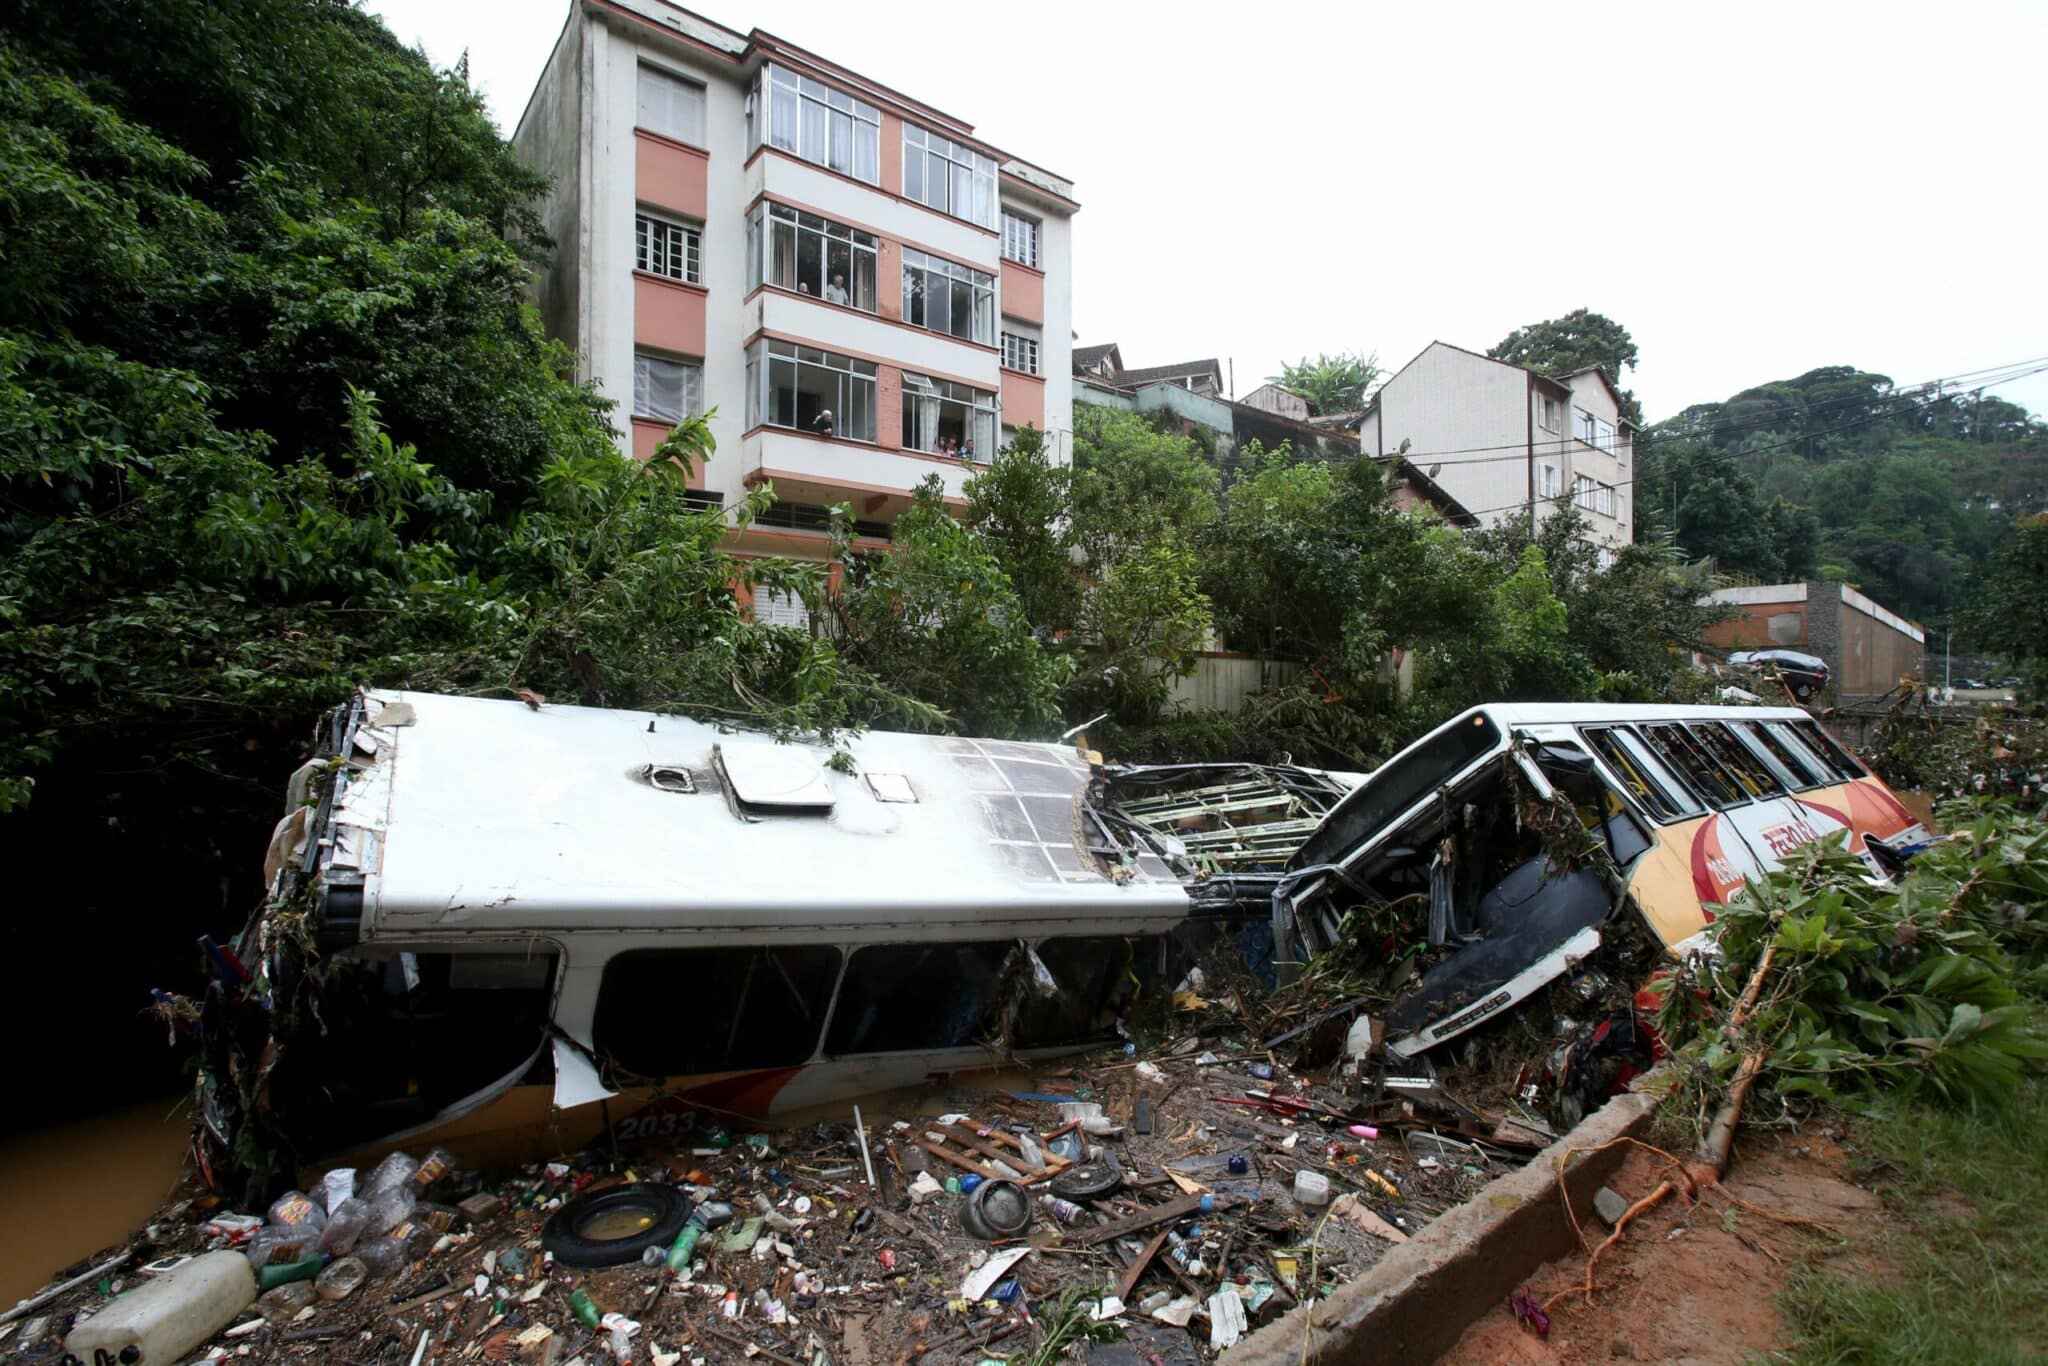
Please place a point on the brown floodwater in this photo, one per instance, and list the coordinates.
(68, 1190)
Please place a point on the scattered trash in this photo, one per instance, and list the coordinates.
(1529, 1312)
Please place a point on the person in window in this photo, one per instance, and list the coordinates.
(835, 293)
(967, 451)
(822, 423)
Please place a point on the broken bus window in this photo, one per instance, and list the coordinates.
(747, 1007)
(905, 998)
(1657, 793)
(1736, 761)
(1683, 756)
(1795, 751)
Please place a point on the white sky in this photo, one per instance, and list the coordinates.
(1752, 189)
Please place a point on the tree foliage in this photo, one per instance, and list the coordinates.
(2005, 604)
(1577, 341)
(1330, 384)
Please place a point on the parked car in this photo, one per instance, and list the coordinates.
(1804, 674)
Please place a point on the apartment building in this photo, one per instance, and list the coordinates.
(1501, 439)
(859, 290)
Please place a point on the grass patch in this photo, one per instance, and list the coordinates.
(1967, 1273)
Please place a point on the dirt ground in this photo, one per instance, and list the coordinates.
(1697, 1285)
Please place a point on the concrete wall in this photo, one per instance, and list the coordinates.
(1868, 647)
(1224, 682)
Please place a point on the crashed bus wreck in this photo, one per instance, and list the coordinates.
(509, 930)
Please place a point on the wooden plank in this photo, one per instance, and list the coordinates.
(1139, 1222)
(1129, 1280)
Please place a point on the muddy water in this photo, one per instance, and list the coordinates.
(71, 1189)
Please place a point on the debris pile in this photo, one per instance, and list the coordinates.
(1171, 1202)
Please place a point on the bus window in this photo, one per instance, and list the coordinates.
(1641, 775)
(1682, 754)
(1783, 761)
(1804, 759)
(1840, 760)
(1095, 976)
(1751, 773)
(748, 1007)
(917, 998)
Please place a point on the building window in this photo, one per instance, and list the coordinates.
(809, 390)
(954, 299)
(671, 106)
(1547, 412)
(1603, 435)
(668, 390)
(812, 120)
(944, 418)
(1582, 492)
(774, 607)
(1583, 428)
(1020, 352)
(949, 176)
(811, 255)
(1020, 238)
(814, 517)
(1547, 483)
(664, 248)
(1603, 500)
(1604, 557)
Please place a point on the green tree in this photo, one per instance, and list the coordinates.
(1020, 504)
(1578, 340)
(936, 616)
(2005, 599)
(1331, 384)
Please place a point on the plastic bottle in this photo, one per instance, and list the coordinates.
(344, 1226)
(395, 1170)
(165, 1318)
(284, 1273)
(274, 1244)
(388, 1209)
(432, 1168)
(585, 1309)
(684, 1249)
(381, 1256)
(281, 1304)
(1066, 1211)
(1177, 1248)
(341, 1278)
(295, 1208)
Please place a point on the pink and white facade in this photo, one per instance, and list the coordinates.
(747, 229)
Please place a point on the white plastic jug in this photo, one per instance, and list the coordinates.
(167, 1317)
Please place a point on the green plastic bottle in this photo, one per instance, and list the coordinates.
(284, 1273)
(585, 1309)
(684, 1248)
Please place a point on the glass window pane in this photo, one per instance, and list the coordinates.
(860, 409)
(913, 175)
(917, 997)
(867, 153)
(962, 309)
(782, 129)
(864, 280)
(814, 131)
(764, 1007)
(841, 156)
(810, 263)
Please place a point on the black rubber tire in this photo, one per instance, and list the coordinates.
(669, 1206)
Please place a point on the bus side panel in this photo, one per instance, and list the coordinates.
(1672, 894)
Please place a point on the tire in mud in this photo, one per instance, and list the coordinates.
(616, 1225)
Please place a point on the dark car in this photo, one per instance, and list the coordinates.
(1804, 674)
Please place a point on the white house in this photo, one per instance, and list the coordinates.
(1502, 439)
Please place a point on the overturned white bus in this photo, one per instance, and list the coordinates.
(504, 928)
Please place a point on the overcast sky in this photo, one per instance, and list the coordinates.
(1753, 190)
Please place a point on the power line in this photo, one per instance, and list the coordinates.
(1790, 441)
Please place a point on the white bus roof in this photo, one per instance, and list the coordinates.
(470, 816)
(1598, 713)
